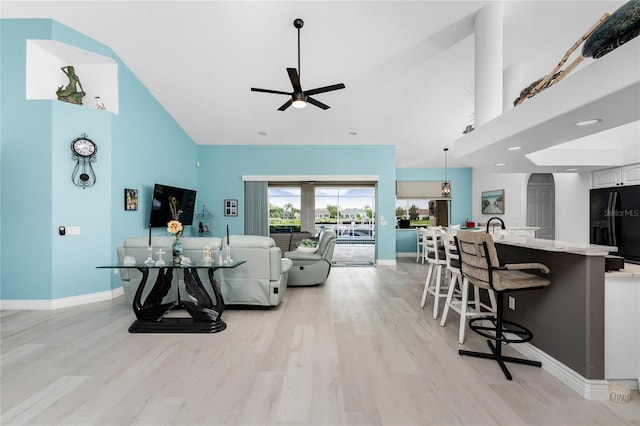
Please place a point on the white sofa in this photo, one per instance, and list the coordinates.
(262, 280)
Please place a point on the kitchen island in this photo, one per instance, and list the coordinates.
(567, 318)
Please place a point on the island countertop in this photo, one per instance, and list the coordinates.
(555, 245)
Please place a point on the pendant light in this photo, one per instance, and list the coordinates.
(446, 186)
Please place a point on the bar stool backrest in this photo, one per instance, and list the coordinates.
(480, 265)
(451, 253)
(474, 247)
(433, 246)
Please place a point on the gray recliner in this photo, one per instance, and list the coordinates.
(312, 268)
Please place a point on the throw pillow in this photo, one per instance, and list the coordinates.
(307, 246)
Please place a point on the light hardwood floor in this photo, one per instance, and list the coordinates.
(357, 350)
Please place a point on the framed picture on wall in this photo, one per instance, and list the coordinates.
(130, 199)
(231, 207)
(493, 202)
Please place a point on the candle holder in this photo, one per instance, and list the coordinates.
(206, 253)
(149, 261)
(160, 261)
(226, 253)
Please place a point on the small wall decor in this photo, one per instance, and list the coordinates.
(493, 202)
(130, 199)
(231, 207)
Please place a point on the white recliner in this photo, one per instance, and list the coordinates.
(312, 268)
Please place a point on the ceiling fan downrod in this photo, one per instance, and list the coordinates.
(298, 23)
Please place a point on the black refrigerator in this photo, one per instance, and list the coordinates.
(615, 220)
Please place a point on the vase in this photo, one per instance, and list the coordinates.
(177, 251)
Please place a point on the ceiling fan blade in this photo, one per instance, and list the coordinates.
(324, 89)
(317, 103)
(286, 105)
(295, 79)
(253, 89)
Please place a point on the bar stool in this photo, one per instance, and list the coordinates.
(480, 265)
(420, 244)
(458, 295)
(437, 261)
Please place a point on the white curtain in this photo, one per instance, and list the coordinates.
(256, 208)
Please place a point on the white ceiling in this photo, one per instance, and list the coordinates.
(408, 67)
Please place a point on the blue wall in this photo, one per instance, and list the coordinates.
(140, 146)
(26, 229)
(222, 167)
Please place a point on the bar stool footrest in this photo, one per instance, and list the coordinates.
(517, 333)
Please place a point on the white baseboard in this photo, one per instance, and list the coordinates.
(589, 389)
(406, 254)
(65, 302)
(633, 384)
(386, 262)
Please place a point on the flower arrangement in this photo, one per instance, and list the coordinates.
(175, 227)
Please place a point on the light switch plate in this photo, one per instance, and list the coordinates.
(73, 230)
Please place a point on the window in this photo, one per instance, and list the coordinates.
(416, 210)
(284, 208)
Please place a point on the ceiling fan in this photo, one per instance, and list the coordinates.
(299, 97)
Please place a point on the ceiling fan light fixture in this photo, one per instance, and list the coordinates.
(299, 100)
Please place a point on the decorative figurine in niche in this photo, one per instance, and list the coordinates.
(71, 93)
(99, 103)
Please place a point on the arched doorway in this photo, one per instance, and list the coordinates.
(541, 204)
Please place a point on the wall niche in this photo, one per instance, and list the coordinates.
(98, 74)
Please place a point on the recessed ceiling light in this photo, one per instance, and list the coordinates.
(353, 133)
(262, 133)
(514, 148)
(571, 170)
(588, 122)
(501, 164)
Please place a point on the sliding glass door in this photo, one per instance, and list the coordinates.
(349, 209)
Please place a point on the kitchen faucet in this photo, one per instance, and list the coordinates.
(501, 223)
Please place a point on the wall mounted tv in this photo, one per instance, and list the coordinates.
(168, 201)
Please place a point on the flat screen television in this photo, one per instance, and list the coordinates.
(169, 202)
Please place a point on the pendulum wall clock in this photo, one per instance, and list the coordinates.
(84, 152)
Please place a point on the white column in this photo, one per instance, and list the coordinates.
(488, 63)
(513, 85)
(308, 208)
